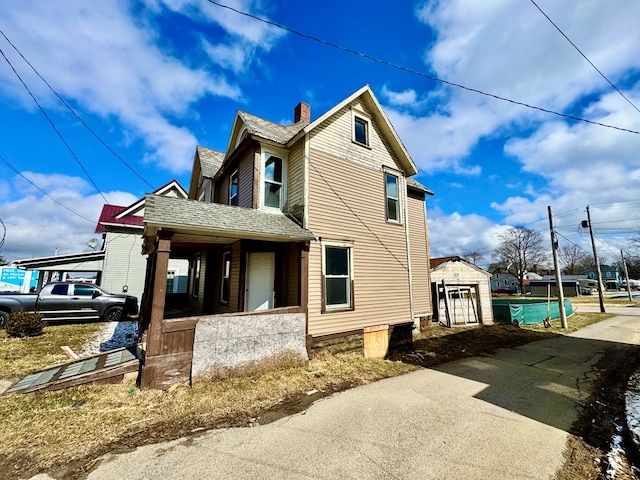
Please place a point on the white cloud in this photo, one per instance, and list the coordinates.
(456, 234)
(509, 49)
(37, 225)
(111, 66)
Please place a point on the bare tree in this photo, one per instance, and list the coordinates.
(473, 257)
(572, 257)
(3, 260)
(520, 249)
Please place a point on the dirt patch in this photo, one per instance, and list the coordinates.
(601, 419)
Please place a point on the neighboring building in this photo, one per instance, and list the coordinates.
(461, 292)
(317, 219)
(500, 278)
(118, 266)
(124, 266)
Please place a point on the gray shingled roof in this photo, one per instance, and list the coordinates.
(223, 220)
(210, 161)
(411, 183)
(269, 130)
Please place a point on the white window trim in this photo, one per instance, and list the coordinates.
(355, 113)
(343, 244)
(283, 195)
(401, 189)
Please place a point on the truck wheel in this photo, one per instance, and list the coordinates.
(113, 314)
(4, 317)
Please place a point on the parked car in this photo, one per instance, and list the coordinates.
(63, 301)
(505, 289)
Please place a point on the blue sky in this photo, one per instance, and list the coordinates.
(155, 78)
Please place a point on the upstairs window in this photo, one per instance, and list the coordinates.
(273, 186)
(393, 198)
(233, 189)
(360, 130)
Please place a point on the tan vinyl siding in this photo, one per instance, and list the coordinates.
(347, 202)
(418, 248)
(123, 264)
(335, 136)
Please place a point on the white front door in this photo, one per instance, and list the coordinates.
(260, 276)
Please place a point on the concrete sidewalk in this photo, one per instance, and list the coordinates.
(500, 417)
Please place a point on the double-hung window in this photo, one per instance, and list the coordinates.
(337, 277)
(392, 192)
(233, 188)
(225, 284)
(273, 181)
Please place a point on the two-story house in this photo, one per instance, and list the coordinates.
(317, 219)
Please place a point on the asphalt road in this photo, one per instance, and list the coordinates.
(503, 417)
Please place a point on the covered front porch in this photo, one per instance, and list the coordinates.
(247, 289)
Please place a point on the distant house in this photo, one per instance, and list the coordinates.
(461, 292)
(118, 265)
(610, 277)
(501, 278)
(297, 237)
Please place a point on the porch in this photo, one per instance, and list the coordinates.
(246, 298)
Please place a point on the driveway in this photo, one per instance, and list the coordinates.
(499, 417)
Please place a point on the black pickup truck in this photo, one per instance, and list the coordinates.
(62, 301)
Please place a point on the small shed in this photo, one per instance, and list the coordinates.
(461, 292)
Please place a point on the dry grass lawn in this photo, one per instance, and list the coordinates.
(63, 432)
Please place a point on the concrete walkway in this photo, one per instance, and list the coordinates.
(503, 417)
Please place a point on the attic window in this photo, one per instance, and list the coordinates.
(360, 130)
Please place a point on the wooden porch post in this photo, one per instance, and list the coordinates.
(158, 297)
(154, 345)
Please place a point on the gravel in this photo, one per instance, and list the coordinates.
(113, 335)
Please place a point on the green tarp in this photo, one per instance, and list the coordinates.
(527, 312)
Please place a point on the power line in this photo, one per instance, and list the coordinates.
(54, 128)
(585, 57)
(41, 190)
(75, 114)
(416, 72)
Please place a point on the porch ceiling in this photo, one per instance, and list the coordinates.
(192, 221)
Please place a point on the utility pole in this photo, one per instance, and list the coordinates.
(554, 249)
(595, 259)
(626, 275)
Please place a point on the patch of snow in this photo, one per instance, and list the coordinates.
(615, 457)
(113, 335)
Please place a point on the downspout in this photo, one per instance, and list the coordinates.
(416, 323)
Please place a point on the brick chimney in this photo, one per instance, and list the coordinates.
(302, 113)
